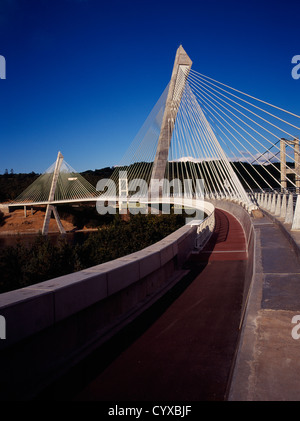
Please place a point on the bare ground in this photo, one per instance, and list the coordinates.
(16, 223)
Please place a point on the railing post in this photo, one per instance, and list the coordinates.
(258, 199)
(283, 206)
(269, 202)
(296, 219)
(273, 203)
(278, 205)
(289, 211)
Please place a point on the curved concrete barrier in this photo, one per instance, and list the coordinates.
(52, 325)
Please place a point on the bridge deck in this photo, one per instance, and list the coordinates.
(187, 352)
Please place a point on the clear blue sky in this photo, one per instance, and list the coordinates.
(83, 75)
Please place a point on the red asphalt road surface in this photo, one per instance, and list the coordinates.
(187, 353)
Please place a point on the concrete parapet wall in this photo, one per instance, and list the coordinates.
(52, 325)
(238, 212)
(245, 220)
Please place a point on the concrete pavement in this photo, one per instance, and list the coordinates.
(268, 363)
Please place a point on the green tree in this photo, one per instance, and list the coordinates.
(22, 265)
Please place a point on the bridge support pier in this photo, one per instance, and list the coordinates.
(49, 210)
(284, 169)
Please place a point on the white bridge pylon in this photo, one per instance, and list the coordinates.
(51, 208)
(185, 147)
(59, 184)
(200, 129)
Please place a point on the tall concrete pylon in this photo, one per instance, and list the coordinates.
(284, 169)
(181, 68)
(50, 208)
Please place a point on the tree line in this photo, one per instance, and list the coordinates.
(24, 265)
(251, 176)
(13, 184)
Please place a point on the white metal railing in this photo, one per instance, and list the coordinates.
(282, 205)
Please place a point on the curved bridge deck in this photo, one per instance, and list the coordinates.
(187, 352)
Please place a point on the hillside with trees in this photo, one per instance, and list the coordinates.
(11, 184)
(24, 265)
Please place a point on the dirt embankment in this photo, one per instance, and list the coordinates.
(16, 223)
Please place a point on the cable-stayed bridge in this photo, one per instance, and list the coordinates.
(200, 129)
(225, 152)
